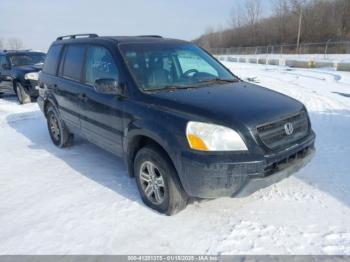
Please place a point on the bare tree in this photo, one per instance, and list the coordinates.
(235, 19)
(14, 43)
(318, 21)
(252, 16)
(206, 40)
(344, 18)
(282, 10)
(253, 11)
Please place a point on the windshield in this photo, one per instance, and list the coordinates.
(160, 66)
(27, 59)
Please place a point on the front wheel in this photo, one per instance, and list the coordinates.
(157, 181)
(59, 133)
(22, 95)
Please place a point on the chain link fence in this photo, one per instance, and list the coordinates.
(328, 47)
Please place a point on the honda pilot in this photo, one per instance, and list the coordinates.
(184, 124)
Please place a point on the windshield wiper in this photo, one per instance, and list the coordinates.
(176, 87)
(218, 80)
(169, 88)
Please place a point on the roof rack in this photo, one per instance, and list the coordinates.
(75, 36)
(16, 50)
(155, 36)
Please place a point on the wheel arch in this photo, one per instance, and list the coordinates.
(49, 101)
(138, 141)
(141, 140)
(18, 79)
(166, 135)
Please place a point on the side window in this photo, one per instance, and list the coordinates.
(3, 61)
(73, 62)
(52, 60)
(99, 64)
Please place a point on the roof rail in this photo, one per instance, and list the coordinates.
(155, 36)
(16, 50)
(76, 35)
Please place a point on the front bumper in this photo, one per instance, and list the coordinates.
(40, 102)
(254, 184)
(212, 176)
(32, 87)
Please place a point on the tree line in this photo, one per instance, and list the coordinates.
(319, 20)
(12, 43)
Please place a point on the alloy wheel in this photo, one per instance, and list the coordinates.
(54, 127)
(152, 182)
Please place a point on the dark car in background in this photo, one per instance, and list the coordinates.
(184, 124)
(19, 73)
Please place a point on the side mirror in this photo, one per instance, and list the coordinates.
(108, 86)
(6, 66)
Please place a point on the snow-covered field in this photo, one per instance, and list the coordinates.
(339, 62)
(331, 57)
(80, 200)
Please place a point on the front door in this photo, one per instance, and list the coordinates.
(5, 74)
(101, 114)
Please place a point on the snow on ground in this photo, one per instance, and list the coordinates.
(283, 57)
(80, 200)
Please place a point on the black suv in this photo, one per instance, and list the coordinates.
(19, 73)
(185, 125)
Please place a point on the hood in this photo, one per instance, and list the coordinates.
(230, 104)
(28, 68)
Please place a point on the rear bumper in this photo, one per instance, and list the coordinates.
(212, 176)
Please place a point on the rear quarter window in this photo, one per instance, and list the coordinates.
(52, 60)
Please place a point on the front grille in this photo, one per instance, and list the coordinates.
(274, 135)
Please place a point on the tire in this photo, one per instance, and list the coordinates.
(58, 131)
(22, 95)
(163, 192)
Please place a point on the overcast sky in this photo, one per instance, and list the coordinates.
(39, 22)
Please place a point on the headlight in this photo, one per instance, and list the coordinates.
(32, 76)
(210, 137)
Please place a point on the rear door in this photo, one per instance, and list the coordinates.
(68, 88)
(102, 115)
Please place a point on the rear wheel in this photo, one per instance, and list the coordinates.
(157, 181)
(59, 133)
(22, 95)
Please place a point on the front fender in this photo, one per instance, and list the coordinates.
(159, 133)
(18, 77)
